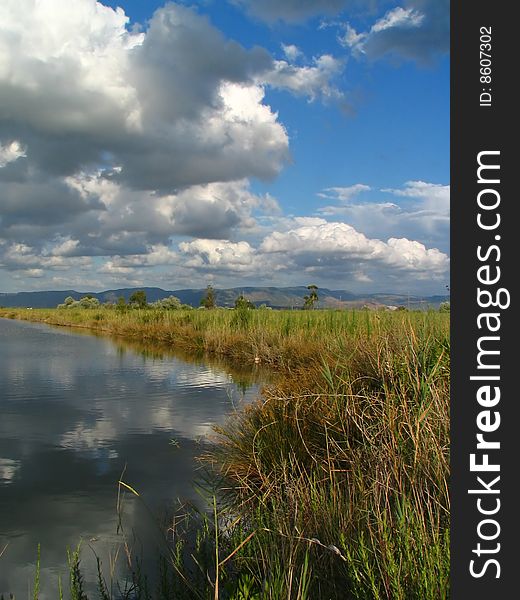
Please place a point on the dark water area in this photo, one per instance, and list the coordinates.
(79, 412)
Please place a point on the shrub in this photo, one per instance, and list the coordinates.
(169, 303)
(444, 307)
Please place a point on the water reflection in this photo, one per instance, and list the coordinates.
(76, 411)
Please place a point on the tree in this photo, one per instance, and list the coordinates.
(169, 303)
(138, 298)
(209, 300)
(84, 302)
(88, 302)
(312, 298)
(242, 302)
(121, 303)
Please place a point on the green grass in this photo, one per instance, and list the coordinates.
(334, 484)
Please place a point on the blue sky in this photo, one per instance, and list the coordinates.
(238, 142)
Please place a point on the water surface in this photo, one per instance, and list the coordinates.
(76, 411)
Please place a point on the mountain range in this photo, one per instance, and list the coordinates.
(287, 297)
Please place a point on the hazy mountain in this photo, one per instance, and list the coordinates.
(289, 297)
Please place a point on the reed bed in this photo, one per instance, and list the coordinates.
(282, 339)
(350, 474)
(333, 484)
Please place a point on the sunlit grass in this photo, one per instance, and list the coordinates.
(284, 339)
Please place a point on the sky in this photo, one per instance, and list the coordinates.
(231, 142)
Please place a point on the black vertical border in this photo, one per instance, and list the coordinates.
(475, 129)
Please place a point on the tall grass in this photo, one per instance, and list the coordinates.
(351, 471)
(283, 339)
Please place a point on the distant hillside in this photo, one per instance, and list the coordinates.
(288, 297)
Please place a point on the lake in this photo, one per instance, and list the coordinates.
(78, 412)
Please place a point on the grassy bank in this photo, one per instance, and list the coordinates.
(351, 474)
(334, 484)
(284, 339)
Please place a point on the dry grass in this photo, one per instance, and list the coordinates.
(353, 468)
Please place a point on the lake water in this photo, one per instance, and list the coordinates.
(76, 410)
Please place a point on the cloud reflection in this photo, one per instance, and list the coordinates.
(77, 412)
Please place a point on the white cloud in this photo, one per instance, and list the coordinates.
(419, 211)
(10, 153)
(65, 247)
(112, 268)
(28, 260)
(213, 210)
(418, 31)
(292, 52)
(128, 100)
(220, 254)
(435, 196)
(204, 256)
(319, 244)
(312, 81)
(65, 65)
(351, 38)
(129, 220)
(398, 17)
(428, 210)
(31, 273)
(117, 143)
(344, 194)
(157, 255)
(128, 138)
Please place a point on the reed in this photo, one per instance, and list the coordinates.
(351, 471)
(282, 339)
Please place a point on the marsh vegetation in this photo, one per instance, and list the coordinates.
(334, 483)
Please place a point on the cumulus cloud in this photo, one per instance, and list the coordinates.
(103, 218)
(112, 141)
(214, 210)
(42, 203)
(419, 210)
(194, 262)
(127, 138)
(418, 31)
(154, 256)
(119, 146)
(30, 261)
(331, 251)
(337, 249)
(175, 106)
(231, 256)
(64, 247)
(312, 81)
(136, 239)
(335, 253)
